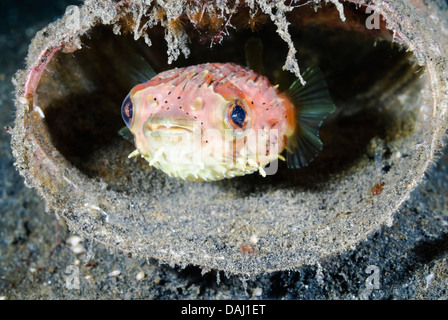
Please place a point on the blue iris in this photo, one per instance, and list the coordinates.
(127, 111)
(238, 115)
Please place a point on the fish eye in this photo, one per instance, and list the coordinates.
(237, 115)
(127, 111)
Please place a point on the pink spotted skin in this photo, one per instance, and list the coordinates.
(201, 93)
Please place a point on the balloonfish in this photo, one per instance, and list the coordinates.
(221, 120)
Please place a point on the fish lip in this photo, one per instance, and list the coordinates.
(164, 125)
(162, 128)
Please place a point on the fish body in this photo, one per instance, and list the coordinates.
(217, 120)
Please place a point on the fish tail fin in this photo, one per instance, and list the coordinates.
(312, 104)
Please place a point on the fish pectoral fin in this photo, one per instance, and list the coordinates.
(126, 134)
(253, 50)
(313, 104)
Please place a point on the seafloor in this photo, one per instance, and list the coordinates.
(39, 257)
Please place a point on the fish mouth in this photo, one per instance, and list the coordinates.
(169, 126)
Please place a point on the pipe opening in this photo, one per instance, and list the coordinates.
(82, 92)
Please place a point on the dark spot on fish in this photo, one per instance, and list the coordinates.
(169, 92)
(252, 102)
(178, 97)
(273, 122)
(166, 101)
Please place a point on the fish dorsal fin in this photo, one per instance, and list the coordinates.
(253, 51)
(142, 71)
(134, 64)
(312, 104)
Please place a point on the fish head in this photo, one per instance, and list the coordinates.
(210, 133)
